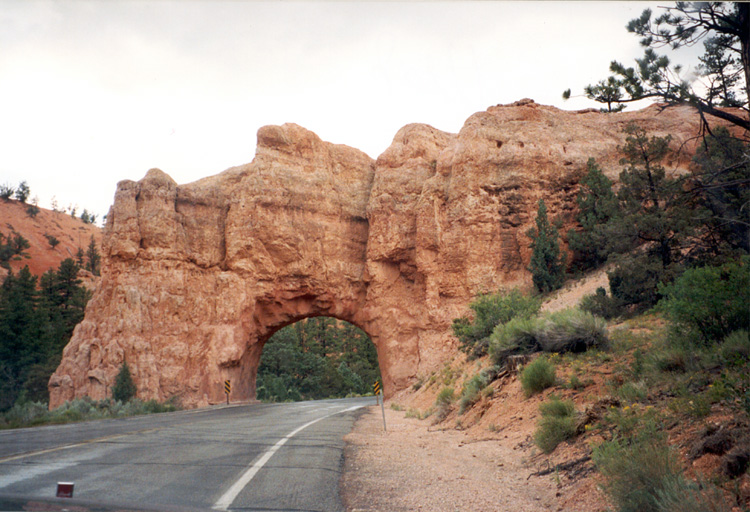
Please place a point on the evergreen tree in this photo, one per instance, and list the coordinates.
(93, 259)
(724, 66)
(69, 296)
(597, 208)
(14, 246)
(655, 207)
(6, 191)
(52, 240)
(23, 191)
(547, 264)
(124, 389)
(35, 326)
(20, 331)
(720, 182)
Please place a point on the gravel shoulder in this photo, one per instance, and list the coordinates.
(416, 467)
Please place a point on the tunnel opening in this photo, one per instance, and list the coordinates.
(316, 358)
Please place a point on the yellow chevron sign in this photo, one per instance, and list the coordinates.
(227, 387)
(376, 387)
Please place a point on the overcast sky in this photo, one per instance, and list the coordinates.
(93, 92)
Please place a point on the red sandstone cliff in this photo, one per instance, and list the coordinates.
(197, 277)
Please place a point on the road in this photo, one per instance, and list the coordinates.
(259, 457)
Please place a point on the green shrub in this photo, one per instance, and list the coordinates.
(681, 495)
(537, 376)
(519, 335)
(712, 301)
(491, 310)
(571, 330)
(642, 475)
(81, 409)
(124, 388)
(696, 405)
(556, 407)
(735, 351)
(626, 420)
(472, 390)
(576, 383)
(557, 424)
(633, 391)
(637, 471)
(672, 359)
(413, 413)
(601, 304)
(26, 414)
(445, 397)
(443, 404)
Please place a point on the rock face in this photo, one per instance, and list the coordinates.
(197, 277)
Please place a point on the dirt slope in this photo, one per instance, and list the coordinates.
(72, 233)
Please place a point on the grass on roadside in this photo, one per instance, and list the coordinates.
(32, 414)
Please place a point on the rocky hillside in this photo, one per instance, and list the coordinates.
(71, 233)
(197, 277)
(574, 445)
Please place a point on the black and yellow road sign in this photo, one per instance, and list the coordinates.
(376, 387)
(227, 386)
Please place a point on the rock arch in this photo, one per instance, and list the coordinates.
(196, 277)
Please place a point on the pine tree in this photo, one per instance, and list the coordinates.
(6, 191)
(20, 331)
(93, 259)
(655, 207)
(124, 389)
(35, 326)
(720, 182)
(23, 191)
(724, 69)
(547, 264)
(597, 207)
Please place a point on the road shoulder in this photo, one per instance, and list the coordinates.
(416, 467)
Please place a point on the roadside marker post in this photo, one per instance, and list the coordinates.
(227, 389)
(376, 388)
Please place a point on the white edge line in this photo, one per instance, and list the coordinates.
(228, 497)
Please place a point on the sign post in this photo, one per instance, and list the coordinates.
(227, 389)
(376, 388)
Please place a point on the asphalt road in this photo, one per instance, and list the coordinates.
(260, 457)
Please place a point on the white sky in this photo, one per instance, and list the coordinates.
(93, 92)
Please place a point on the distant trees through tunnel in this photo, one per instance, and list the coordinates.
(315, 358)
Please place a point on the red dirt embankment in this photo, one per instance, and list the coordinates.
(71, 232)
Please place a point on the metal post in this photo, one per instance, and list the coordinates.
(382, 406)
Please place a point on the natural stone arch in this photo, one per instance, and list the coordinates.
(296, 309)
(195, 277)
(261, 346)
